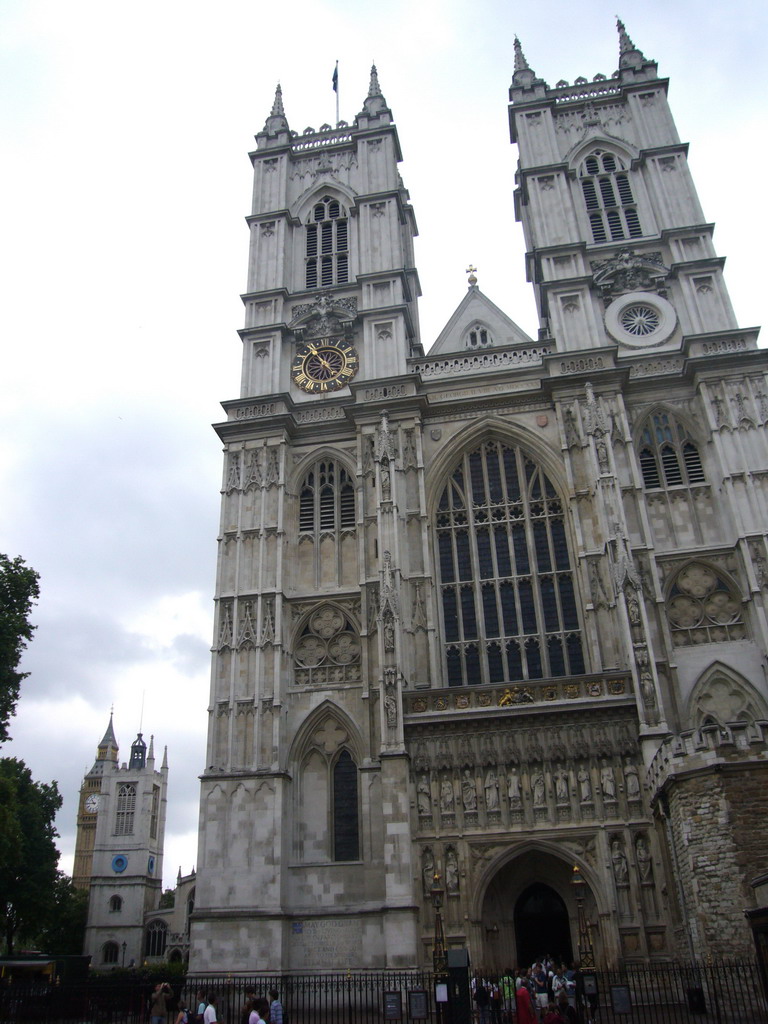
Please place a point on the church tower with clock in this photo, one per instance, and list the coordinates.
(495, 611)
(88, 807)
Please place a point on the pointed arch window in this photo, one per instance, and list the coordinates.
(327, 499)
(506, 579)
(346, 830)
(668, 454)
(109, 953)
(115, 904)
(156, 939)
(327, 244)
(608, 197)
(125, 810)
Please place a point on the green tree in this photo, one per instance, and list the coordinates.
(28, 854)
(64, 932)
(19, 589)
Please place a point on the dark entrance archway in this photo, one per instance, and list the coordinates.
(542, 927)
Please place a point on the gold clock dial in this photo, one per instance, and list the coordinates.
(324, 365)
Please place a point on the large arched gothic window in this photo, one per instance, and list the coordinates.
(327, 252)
(506, 580)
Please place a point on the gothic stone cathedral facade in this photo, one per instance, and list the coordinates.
(500, 609)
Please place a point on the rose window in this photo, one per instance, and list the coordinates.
(328, 650)
(640, 321)
(703, 609)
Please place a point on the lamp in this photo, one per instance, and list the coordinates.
(439, 955)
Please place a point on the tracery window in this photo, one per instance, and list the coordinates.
(607, 192)
(125, 810)
(702, 608)
(327, 245)
(155, 939)
(328, 650)
(327, 499)
(506, 581)
(478, 336)
(668, 455)
(327, 554)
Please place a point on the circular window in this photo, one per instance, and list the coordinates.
(640, 320)
(119, 863)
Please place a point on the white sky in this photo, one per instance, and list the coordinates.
(123, 253)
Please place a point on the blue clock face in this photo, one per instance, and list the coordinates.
(151, 866)
(119, 863)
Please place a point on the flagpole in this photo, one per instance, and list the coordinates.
(336, 89)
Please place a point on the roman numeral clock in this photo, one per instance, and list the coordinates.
(325, 364)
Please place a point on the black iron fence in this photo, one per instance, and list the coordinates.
(713, 993)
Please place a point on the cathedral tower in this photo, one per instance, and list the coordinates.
(127, 870)
(498, 610)
(88, 808)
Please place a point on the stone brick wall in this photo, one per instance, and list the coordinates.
(720, 832)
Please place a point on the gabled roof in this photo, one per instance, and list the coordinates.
(476, 307)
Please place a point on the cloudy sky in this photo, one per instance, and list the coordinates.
(123, 252)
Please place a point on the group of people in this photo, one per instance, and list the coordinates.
(545, 993)
(164, 1009)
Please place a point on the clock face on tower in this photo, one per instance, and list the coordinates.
(92, 803)
(324, 365)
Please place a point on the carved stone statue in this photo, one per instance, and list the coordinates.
(451, 872)
(561, 785)
(644, 862)
(619, 862)
(537, 785)
(446, 795)
(427, 870)
(585, 785)
(608, 782)
(468, 791)
(491, 791)
(513, 787)
(423, 796)
(632, 781)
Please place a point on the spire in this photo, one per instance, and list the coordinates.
(109, 739)
(629, 55)
(277, 121)
(151, 751)
(523, 76)
(374, 89)
(374, 104)
(521, 64)
(107, 750)
(165, 758)
(277, 106)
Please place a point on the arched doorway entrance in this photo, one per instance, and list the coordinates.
(542, 927)
(529, 910)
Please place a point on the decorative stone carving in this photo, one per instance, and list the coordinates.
(644, 862)
(233, 472)
(390, 697)
(608, 782)
(628, 271)
(513, 788)
(631, 781)
(446, 795)
(468, 791)
(225, 629)
(451, 872)
(491, 788)
(267, 623)
(538, 789)
(585, 785)
(427, 870)
(561, 785)
(246, 634)
(423, 797)
(619, 863)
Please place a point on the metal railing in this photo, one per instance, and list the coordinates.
(711, 993)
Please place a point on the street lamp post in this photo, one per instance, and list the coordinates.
(586, 953)
(439, 955)
(125, 946)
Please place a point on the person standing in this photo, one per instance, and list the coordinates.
(275, 1007)
(525, 1011)
(159, 1003)
(210, 1017)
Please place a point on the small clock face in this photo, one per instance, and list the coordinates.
(92, 803)
(324, 365)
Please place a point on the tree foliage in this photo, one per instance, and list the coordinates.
(19, 589)
(28, 854)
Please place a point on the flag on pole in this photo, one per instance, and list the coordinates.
(336, 77)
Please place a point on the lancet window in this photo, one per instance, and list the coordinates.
(608, 196)
(327, 245)
(668, 455)
(327, 499)
(506, 579)
(125, 810)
